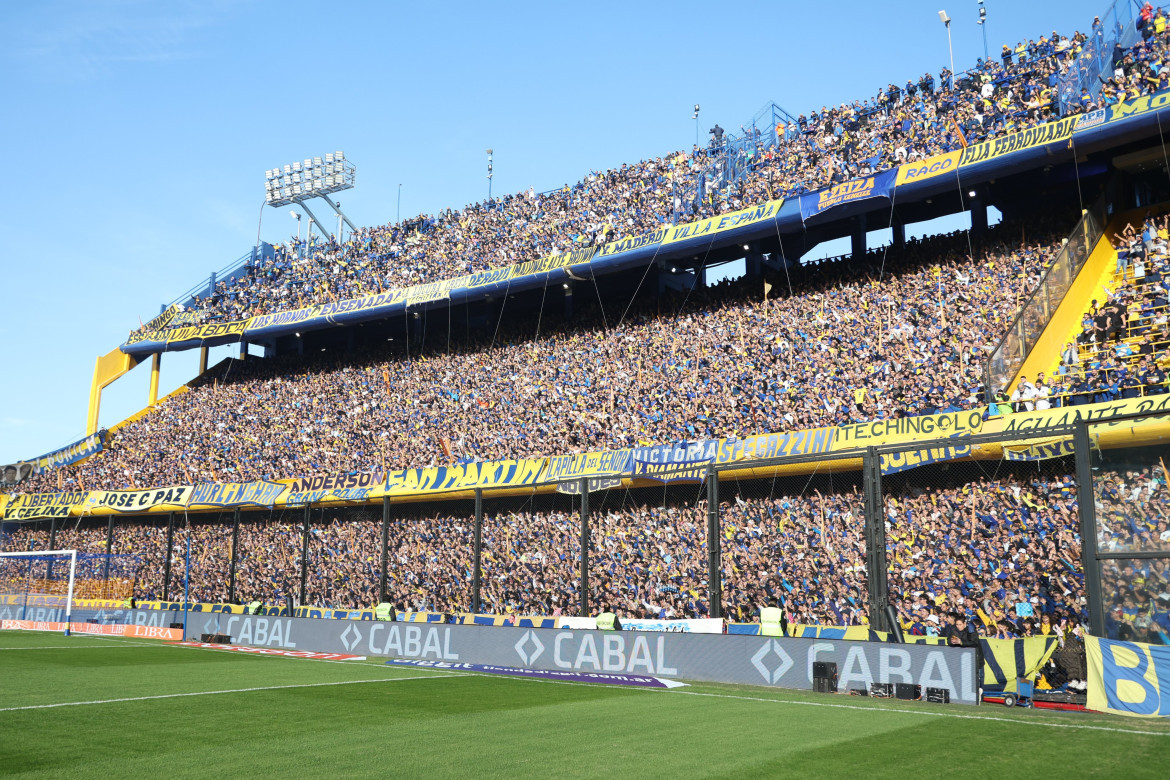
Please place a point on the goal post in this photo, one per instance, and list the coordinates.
(36, 576)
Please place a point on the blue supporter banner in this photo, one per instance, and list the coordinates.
(66, 456)
(894, 462)
(1040, 450)
(678, 462)
(877, 186)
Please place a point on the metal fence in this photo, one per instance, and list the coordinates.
(1009, 355)
(1115, 28)
(1126, 514)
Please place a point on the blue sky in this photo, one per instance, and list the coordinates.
(141, 131)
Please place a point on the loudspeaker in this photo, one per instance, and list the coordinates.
(938, 695)
(908, 691)
(881, 690)
(825, 676)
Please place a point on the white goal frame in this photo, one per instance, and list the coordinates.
(72, 575)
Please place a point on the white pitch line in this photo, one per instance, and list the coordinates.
(679, 691)
(61, 647)
(1024, 721)
(233, 690)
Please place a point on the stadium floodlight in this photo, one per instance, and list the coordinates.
(946, 20)
(983, 25)
(310, 177)
(489, 173)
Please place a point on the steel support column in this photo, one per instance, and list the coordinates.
(876, 573)
(235, 556)
(305, 554)
(382, 595)
(714, 554)
(477, 550)
(166, 594)
(1088, 517)
(584, 547)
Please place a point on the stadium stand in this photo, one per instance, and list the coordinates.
(826, 147)
(903, 331)
(649, 560)
(747, 366)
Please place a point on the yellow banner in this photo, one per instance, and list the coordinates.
(330, 488)
(109, 502)
(714, 225)
(879, 432)
(503, 473)
(633, 242)
(1128, 678)
(26, 506)
(928, 168)
(1049, 419)
(372, 301)
(1140, 106)
(210, 330)
(553, 262)
(1058, 130)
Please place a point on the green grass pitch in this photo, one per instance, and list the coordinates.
(139, 709)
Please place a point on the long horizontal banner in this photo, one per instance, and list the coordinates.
(638, 465)
(174, 326)
(107, 629)
(747, 660)
(684, 626)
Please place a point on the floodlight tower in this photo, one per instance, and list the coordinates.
(946, 20)
(312, 178)
(489, 175)
(983, 26)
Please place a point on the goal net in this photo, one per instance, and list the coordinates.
(42, 580)
(44, 585)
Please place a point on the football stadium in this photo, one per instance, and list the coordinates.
(832, 443)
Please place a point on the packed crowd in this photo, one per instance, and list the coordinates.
(830, 145)
(1121, 351)
(902, 332)
(1004, 553)
(1133, 515)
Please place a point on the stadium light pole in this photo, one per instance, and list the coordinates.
(983, 26)
(339, 223)
(313, 177)
(300, 247)
(696, 118)
(489, 177)
(942, 15)
(398, 209)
